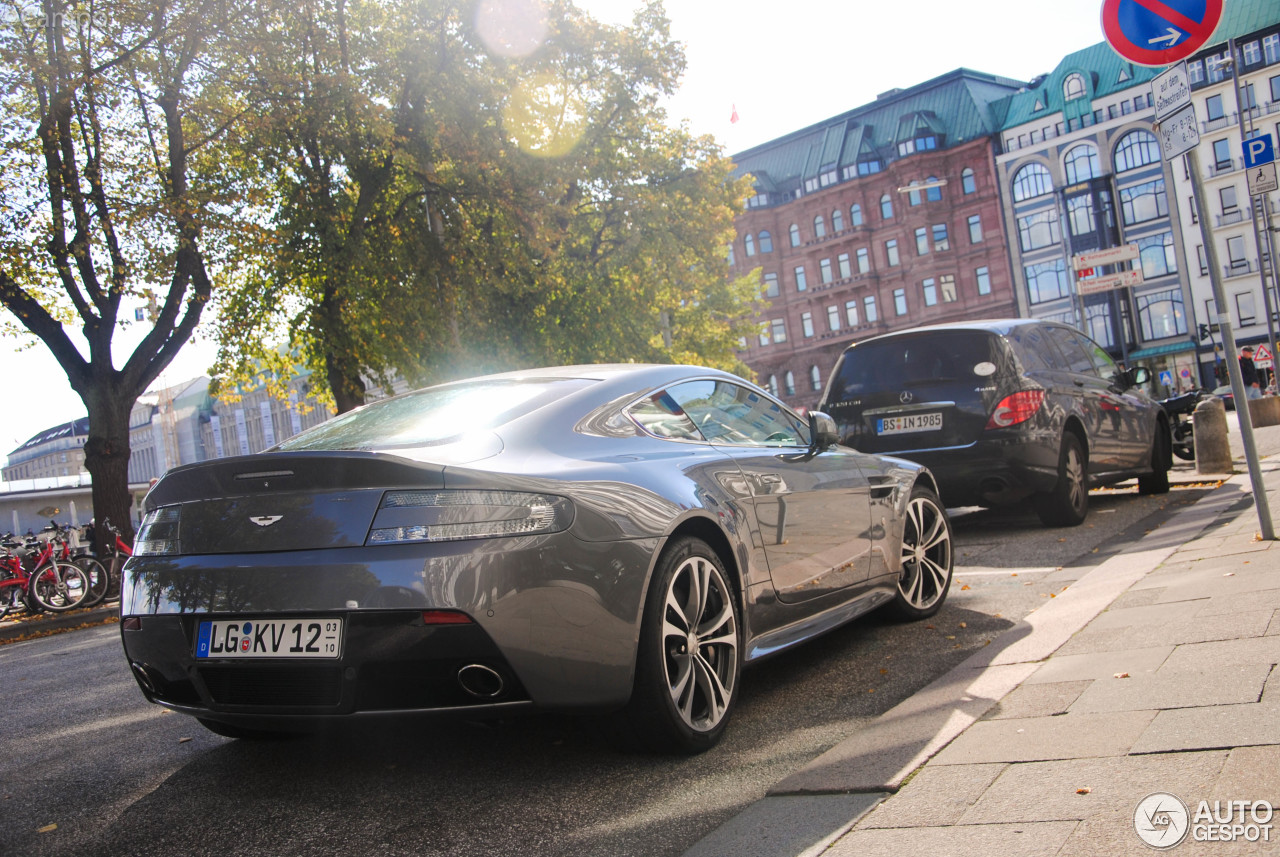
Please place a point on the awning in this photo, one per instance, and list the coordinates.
(1157, 350)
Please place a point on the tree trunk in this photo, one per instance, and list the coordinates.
(106, 457)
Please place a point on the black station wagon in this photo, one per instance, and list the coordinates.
(1002, 411)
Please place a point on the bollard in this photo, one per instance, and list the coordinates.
(1213, 450)
(1265, 411)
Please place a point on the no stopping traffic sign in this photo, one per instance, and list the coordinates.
(1159, 32)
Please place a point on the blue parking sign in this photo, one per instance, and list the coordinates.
(1258, 151)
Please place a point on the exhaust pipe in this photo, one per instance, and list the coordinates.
(480, 681)
(140, 673)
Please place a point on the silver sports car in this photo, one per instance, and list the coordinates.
(591, 538)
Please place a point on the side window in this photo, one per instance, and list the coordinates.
(660, 416)
(1102, 362)
(1072, 350)
(1031, 346)
(730, 414)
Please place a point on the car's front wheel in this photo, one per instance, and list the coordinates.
(1067, 504)
(925, 577)
(689, 658)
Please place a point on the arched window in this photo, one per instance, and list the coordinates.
(1073, 86)
(933, 194)
(1082, 163)
(750, 243)
(913, 197)
(790, 380)
(967, 181)
(1031, 181)
(1137, 149)
(815, 377)
(855, 215)
(837, 221)
(772, 386)
(766, 242)
(794, 232)
(819, 227)
(886, 207)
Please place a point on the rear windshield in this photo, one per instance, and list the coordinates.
(906, 361)
(434, 415)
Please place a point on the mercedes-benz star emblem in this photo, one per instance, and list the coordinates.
(905, 396)
(266, 520)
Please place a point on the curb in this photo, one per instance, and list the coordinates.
(56, 623)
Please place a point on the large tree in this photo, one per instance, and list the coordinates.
(114, 173)
(457, 194)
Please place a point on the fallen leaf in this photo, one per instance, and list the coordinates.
(871, 690)
(930, 627)
(1229, 574)
(1083, 791)
(963, 588)
(184, 740)
(997, 615)
(1062, 540)
(48, 828)
(964, 625)
(883, 671)
(951, 636)
(1121, 675)
(1053, 595)
(1015, 574)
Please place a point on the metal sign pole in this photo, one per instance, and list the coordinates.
(1229, 345)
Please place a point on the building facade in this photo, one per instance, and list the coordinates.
(882, 218)
(54, 454)
(1081, 171)
(1234, 99)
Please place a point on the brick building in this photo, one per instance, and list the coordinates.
(884, 217)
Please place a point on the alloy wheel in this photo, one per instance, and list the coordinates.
(926, 554)
(700, 643)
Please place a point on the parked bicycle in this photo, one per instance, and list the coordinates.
(33, 576)
(104, 571)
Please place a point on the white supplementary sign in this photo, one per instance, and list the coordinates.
(1171, 91)
(1109, 256)
(1179, 133)
(1115, 281)
(1262, 178)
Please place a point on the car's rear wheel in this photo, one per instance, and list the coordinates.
(1157, 481)
(1067, 505)
(689, 657)
(926, 557)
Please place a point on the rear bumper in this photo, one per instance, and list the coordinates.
(998, 471)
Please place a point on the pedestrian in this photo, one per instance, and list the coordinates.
(1249, 373)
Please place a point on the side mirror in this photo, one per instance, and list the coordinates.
(1139, 375)
(822, 431)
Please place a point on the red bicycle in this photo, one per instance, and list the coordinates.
(32, 577)
(104, 573)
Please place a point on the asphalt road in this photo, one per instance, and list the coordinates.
(88, 768)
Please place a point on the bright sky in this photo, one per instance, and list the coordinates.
(783, 66)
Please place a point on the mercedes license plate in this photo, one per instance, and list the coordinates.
(910, 422)
(270, 638)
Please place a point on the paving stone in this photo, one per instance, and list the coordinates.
(1225, 685)
(1195, 656)
(1274, 628)
(1071, 736)
(1198, 629)
(1049, 791)
(1240, 582)
(1136, 598)
(935, 796)
(1212, 727)
(1154, 615)
(1239, 602)
(1101, 665)
(1251, 773)
(1038, 700)
(985, 840)
(1112, 834)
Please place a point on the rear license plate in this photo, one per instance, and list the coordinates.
(270, 638)
(909, 423)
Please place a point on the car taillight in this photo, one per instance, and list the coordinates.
(158, 534)
(1018, 408)
(444, 516)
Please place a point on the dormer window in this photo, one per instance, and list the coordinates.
(1073, 86)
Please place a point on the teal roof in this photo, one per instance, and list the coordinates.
(1106, 72)
(954, 106)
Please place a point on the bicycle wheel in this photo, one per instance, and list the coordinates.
(58, 586)
(99, 579)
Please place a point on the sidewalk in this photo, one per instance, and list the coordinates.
(1154, 674)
